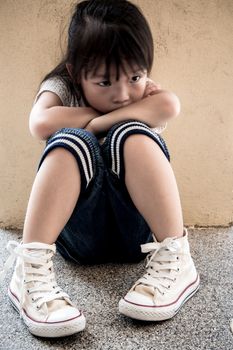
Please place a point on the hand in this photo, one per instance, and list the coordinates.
(152, 88)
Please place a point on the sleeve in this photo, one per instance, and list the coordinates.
(58, 87)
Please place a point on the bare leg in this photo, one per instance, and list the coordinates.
(33, 289)
(53, 197)
(152, 186)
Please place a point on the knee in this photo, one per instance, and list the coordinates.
(116, 140)
(134, 141)
(121, 132)
(139, 137)
(79, 143)
(130, 135)
(60, 153)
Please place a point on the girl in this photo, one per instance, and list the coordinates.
(104, 185)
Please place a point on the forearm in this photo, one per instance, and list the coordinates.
(153, 110)
(43, 123)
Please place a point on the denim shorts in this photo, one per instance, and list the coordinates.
(105, 226)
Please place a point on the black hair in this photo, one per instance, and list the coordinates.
(104, 31)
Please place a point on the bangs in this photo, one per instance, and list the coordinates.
(106, 44)
(119, 62)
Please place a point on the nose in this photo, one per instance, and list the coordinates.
(121, 95)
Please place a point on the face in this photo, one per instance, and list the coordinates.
(107, 95)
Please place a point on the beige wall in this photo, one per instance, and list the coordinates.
(194, 50)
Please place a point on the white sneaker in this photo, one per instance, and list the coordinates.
(170, 280)
(46, 310)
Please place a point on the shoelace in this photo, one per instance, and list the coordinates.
(162, 264)
(39, 271)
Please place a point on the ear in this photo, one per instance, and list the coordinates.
(69, 68)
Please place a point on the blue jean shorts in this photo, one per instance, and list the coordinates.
(105, 226)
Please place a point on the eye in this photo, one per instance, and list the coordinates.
(105, 83)
(135, 78)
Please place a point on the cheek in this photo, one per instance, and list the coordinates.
(96, 100)
(87, 88)
(95, 96)
(139, 92)
(89, 94)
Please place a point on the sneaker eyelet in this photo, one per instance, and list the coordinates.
(178, 269)
(177, 258)
(169, 287)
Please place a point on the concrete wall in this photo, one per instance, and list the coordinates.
(193, 50)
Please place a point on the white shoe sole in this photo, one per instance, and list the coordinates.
(46, 329)
(157, 313)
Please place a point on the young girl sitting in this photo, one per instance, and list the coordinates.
(105, 190)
